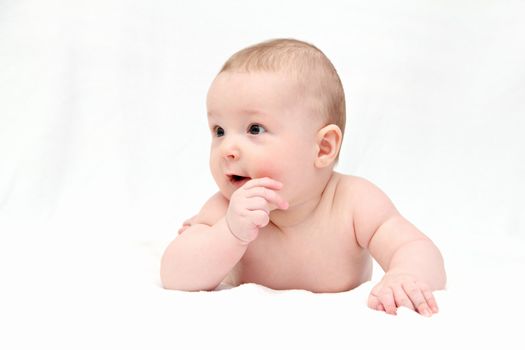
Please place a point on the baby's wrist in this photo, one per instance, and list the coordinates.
(236, 236)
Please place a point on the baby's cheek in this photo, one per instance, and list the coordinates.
(269, 170)
(278, 173)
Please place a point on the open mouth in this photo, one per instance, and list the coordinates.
(237, 179)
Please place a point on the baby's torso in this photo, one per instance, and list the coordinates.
(320, 255)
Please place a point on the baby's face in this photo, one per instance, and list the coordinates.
(260, 128)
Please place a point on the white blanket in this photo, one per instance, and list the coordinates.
(103, 293)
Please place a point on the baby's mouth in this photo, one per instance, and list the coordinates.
(238, 179)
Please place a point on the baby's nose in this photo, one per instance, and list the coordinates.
(230, 150)
(233, 155)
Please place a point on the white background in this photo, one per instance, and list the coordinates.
(102, 109)
(103, 132)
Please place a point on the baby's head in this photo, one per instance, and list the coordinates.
(317, 81)
(275, 109)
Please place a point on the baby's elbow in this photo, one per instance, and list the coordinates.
(174, 286)
(440, 283)
(168, 286)
(166, 281)
(443, 280)
(440, 277)
(170, 281)
(173, 283)
(168, 277)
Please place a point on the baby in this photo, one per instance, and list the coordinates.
(283, 218)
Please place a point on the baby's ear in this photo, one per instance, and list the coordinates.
(328, 143)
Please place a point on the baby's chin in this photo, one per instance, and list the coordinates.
(229, 186)
(226, 192)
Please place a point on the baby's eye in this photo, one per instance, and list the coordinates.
(218, 131)
(256, 129)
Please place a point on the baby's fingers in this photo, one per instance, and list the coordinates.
(386, 301)
(183, 228)
(402, 299)
(260, 218)
(257, 203)
(373, 302)
(418, 298)
(269, 195)
(263, 182)
(186, 224)
(429, 297)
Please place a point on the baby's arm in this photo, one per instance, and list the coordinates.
(412, 263)
(214, 241)
(201, 256)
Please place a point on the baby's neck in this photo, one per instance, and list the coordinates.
(299, 213)
(295, 215)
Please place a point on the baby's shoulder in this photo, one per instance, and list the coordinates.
(369, 205)
(349, 186)
(359, 193)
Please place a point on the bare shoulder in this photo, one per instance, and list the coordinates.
(358, 189)
(369, 205)
(350, 182)
(211, 212)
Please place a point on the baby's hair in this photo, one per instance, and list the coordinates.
(315, 73)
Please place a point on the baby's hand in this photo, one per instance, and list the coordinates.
(186, 224)
(250, 207)
(397, 290)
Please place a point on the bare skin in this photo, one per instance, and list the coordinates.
(304, 257)
(284, 219)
